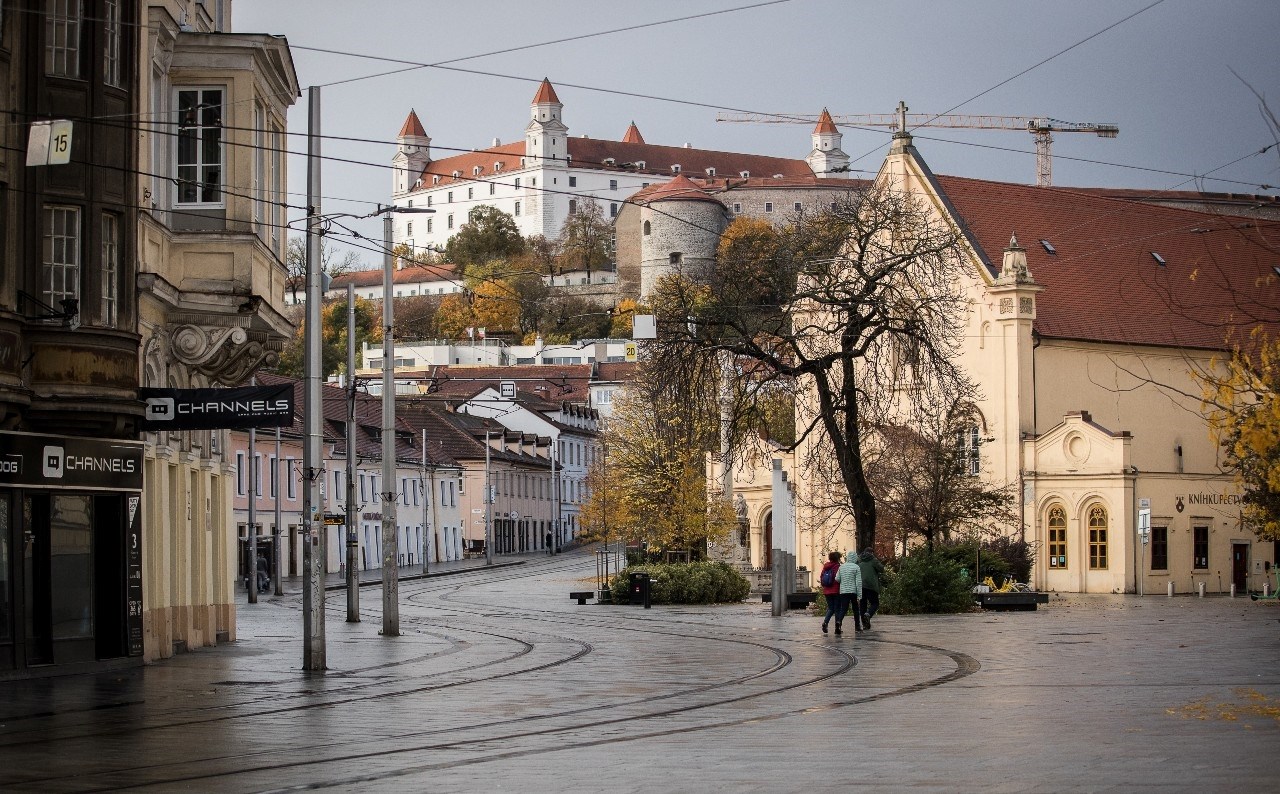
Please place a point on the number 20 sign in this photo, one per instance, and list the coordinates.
(50, 143)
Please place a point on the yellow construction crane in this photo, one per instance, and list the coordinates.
(1041, 127)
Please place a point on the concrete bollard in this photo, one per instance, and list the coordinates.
(1202, 589)
(1233, 589)
(1171, 589)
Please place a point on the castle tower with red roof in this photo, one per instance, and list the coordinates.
(827, 159)
(413, 154)
(546, 137)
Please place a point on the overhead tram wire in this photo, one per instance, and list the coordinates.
(414, 65)
(1036, 65)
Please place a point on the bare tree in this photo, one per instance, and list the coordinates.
(861, 306)
(330, 263)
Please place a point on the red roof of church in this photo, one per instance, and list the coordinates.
(632, 135)
(412, 127)
(825, 124)
(1104, 281)
(546, 94)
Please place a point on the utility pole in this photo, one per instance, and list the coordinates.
(390, 569)
(313, 646)
(555, 501)
(488, 505)
(426, 509)
(251, 545)
(275, 530)
(353, 544)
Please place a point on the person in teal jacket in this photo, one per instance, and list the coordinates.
(849, 577)
(872, 569)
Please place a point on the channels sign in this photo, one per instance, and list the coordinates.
(213, 409)
(31, 459)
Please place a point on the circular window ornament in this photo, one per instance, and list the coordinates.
(1076, 447)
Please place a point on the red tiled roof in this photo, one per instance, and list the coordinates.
(632, 135)
(546, 94)
(679, 189)
(593, 152)
(411, 274)
(1104, 284)
(412, 127)
(825, 124)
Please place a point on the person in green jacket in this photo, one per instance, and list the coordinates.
(849, 579)
(872, 569)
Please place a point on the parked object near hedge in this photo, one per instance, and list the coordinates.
(684, 583)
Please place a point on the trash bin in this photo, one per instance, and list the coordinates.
(640, 588)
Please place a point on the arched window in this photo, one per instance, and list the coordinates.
(1098, 538)
(646, 227)
(1057, 537)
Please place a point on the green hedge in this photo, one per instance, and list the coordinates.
(925, 582)
(684, 583)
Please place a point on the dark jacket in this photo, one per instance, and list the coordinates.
(872, 570)
(835, 586)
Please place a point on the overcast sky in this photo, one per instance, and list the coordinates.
(1164, 75)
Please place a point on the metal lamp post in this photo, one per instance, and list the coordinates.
(390, 539)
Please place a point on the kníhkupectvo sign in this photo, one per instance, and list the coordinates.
(212, 409)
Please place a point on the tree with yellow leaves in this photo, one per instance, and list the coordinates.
(1243, 402)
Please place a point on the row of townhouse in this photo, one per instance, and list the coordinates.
(532, 453)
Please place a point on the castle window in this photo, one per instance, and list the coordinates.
(640, 164)
(492, 188)
(449, 221)
(711, 172)
(613, 210)
(477, 171)
(613, 184)
(450, 197)
(435, 180)
(517, 183)
(410, 203)
(676, 258)
(471, 192)
(573, 206)
(744, 174)
(646, 228)
(408, 228)
(675, 169)
(798, 206)
(573, 181)
(497, 167)
(457, 174)
(517, 209)
(768, 206)
(737, 208)
(429, 224)
(430, 200)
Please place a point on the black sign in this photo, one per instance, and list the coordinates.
(209, 409)
(70, 462)
(133, 569)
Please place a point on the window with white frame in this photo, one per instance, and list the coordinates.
(517, 212)
(273, 471)
(613, 184)
(257, 475)
(289, 478)
(240, 474)
(62, 38)
(110, 269)
(967, 455)
(277, 184)
(61, 276)
(113, 64)
(199, 152)
(259, 169)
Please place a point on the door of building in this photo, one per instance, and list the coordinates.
(1240, 566)
(766, 548)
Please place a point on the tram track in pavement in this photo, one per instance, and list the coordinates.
(521, 728)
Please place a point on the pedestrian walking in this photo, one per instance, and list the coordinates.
(549, 549)
(872, 569)
(831, 590)
(849, 579)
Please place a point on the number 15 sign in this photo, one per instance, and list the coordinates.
(50, 143)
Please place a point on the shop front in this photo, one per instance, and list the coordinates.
(70, 552)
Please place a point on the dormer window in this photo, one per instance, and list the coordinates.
(435, 180)
(522, 163)
(1159, 259)
(610, 161)
(457, 174)
(497, 166)
(744, 174)
(675, 169)
(640, 164)
(711, 172)
(477, 171)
